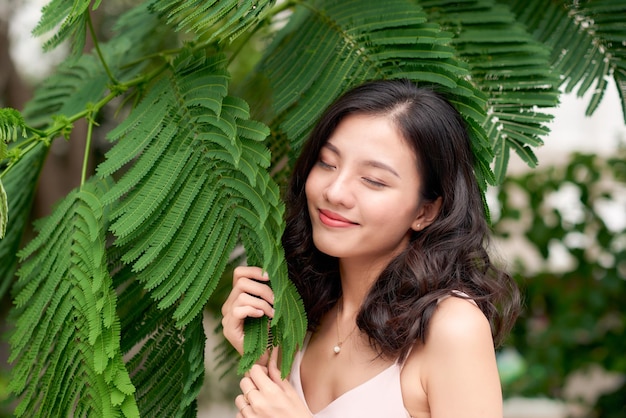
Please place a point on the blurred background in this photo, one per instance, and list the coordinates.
(560, 228)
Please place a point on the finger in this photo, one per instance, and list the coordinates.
(254, 288)
(273, 370)
(249, 286)
(245, 306)
(258, 375)
(250, 272)
(275, 374)
(243, 406)
(247, 385)
(249, 305)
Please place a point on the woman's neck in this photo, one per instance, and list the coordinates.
(357, 278)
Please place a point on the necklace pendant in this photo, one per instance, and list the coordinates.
(336, 349)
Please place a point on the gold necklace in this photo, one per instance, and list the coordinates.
(337, 347)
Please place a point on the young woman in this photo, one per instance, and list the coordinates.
(386, 242)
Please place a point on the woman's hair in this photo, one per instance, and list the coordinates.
(446, 257)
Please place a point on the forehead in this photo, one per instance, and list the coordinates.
(370, 136)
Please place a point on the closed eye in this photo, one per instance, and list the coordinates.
(323, 164)
(374, 183)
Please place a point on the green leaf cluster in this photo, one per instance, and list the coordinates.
(112, 288)
(509, 65)
(12, 126)
(574, 318)
(67, 330)
(586, 40)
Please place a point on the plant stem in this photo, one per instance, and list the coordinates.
(90, 123)
(98, 51)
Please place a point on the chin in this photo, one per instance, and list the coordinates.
(332, 249)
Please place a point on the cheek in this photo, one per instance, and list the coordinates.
(396, 211)
(311, 188)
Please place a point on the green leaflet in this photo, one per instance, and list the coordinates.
(69, 324)
(12, 127)
(167, 362)
(197, 183)
(200, 16)
(4, 211)
(498, 57)
(585, 39)
(70, 18)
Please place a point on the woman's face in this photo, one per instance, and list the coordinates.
(363, 192)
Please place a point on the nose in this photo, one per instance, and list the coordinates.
(339, 191)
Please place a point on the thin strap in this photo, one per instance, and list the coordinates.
(455, 293)
(305, 343)
(459, 294)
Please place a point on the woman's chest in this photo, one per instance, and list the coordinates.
(356, 371)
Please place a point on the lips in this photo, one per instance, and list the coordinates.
(333, 219)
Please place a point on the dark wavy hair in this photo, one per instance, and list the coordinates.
(450, 255)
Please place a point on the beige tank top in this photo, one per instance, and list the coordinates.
(380, 396)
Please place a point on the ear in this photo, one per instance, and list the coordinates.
(427, 214)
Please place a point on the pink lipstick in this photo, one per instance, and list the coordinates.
(334, 219)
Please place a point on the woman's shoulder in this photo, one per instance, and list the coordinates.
(459, 341)
(457, 329)
(458, 361)
(458, 319)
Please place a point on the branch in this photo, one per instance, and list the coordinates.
(99, 52)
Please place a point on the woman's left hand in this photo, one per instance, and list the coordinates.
(266, 395)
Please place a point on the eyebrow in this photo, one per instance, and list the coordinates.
(369, 163)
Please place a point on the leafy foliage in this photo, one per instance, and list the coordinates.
(112, 288)
(574, 317)
(11, 123)
(586, 39)
(162, 355)
(200, 17)
(69, 18)
(20, 184)
(66, 301)
(509, 66)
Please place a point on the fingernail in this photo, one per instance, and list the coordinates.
(265, 275)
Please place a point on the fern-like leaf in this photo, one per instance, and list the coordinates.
(166, 361)
(348, 52)
(81, 81)
(587, 41)
(66, 342)
(69, 17)
(197, 159)
(214, 20)
(509, 67)
(67, 91)
(12, 127)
